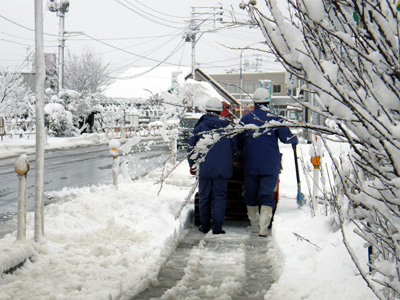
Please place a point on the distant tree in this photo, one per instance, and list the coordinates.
(15, 99)
(86, 73)
(347, 53)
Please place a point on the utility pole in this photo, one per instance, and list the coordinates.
(193, 31)
(241, 75)
(201, 16)
(40, 131)
(198, 18)
(60, 7)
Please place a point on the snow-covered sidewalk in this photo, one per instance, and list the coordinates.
(103, 243)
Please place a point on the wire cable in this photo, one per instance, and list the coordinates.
(18, 37)
(26, 45)
(148, 52)
(179, 33)
(161, 13)
(129, 38)
(131, 4)
(146, 17)
(27, 28)
(152, 68)
(123, 50)
(183, 51)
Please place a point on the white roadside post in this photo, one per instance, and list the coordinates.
(21, 166)
(174, 145)
(316, 153)
(114, 149)
(316, 162)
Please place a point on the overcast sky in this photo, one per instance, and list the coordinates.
(128, 33)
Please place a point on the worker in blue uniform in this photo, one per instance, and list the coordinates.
(262, 160)
(213, 165)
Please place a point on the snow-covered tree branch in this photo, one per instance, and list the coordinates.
(348, 53)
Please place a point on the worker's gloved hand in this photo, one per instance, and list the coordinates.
(192, 171)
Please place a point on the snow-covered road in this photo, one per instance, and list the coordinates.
(238, 264)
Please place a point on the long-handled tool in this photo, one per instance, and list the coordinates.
(300, 197)
(188, 197)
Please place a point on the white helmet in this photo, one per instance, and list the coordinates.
(214, 104)
(261, 95)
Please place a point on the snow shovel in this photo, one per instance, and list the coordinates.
(300, 197)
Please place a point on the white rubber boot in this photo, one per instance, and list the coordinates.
(252, 213)
(265, 219)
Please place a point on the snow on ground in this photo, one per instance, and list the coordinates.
(104, 243)
(15, 146)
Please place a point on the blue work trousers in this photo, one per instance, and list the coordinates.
(259, 190)
(212, 202)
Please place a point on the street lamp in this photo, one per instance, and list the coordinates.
(60, 7)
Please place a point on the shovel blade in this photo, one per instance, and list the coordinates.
(300, 198)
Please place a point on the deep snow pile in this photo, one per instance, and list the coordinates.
(103, 243)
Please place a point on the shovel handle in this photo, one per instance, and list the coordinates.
(296, 163)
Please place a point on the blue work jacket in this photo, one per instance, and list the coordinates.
(218, 160)
(260, 147)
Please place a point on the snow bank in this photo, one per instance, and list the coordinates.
(100, 243)
(314, 262)
(13, 254)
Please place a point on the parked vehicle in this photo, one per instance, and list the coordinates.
(185, 127)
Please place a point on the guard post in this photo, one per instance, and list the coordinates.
(114, 150)
(174, 145)
(21, 166)
(316, 162)
(2, 127)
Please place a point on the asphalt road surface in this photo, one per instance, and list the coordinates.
(83, 166)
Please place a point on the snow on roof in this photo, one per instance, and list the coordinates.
(136, 83)
(192, 115)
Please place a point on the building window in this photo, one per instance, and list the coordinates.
(249, 88)
(276, 89)
(292, 92)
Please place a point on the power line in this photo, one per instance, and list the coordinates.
(129, 38)
(161, 13)
(123, 50)
(18, 37)
(156, 66)
(149, 52)
(26, 45)
(154, 38)
(131, 4)
(27, 28)
(146, 17)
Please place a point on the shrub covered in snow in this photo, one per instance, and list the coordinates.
(58, 120)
